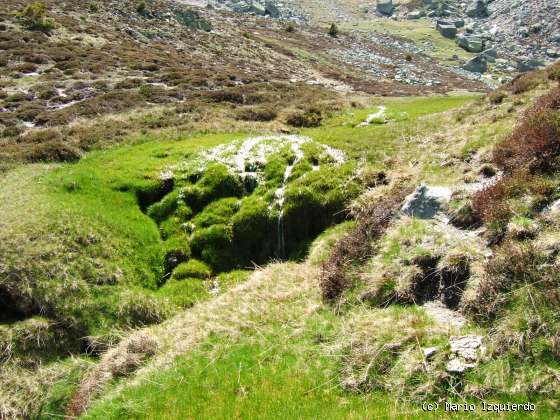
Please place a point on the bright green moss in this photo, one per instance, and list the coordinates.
(164, 208)
(194, 269)
(218, 212)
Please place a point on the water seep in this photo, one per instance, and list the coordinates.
(380, 114)
(248, 159)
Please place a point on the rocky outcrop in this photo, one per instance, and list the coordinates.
(425, 202)
(479, 64)
(447, 30)
(466, 351)
(477, 8)
(385, 7)
(523, 35)
(270, 8)
(470, 43)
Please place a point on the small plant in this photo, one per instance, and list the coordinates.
(408, 57)
(524, 83)
(554, 73)
(497, 97)
(141, 7)
(333, 30)
(534, 142)
(290, 28)
(34, 17)
(257, 114)
(93, 7)
(373, 220)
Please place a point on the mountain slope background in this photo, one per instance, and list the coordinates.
(241, 201)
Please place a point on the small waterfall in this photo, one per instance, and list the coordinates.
(281, 237)
(280, 197)
(248, 159)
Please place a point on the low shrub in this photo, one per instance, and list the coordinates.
(257, 114)
(52, 151)
(553, 72)
(42, 136)
(373, 220)
(192, 269)
(333, 30)
(141, 7)
(497, 97)
(34, 17)
(230, 95)
(535, 142)
(26, 68)
(514, 266)
(524, 83)
(312, 117)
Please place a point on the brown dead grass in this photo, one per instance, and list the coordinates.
(358, 245)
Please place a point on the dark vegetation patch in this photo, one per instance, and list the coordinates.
(527, 156)
(518, 298)
(358, 245)
(311, 117)
(265, 113)
(34, 17)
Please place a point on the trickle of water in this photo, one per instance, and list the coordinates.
(248, 159)
(281, 192)
(372, 117)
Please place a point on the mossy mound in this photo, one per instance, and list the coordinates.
(245, 203)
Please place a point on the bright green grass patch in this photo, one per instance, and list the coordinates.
(247, 382)
(379, 141)
(102, 256)
(256, 377)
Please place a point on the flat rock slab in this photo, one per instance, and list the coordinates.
(425, 202)
(444, 316)
(466, 351)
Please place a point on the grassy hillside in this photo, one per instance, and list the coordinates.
(97, 232)
(209, 214)
(357, 348)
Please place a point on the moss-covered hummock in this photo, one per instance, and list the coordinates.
(263, 198)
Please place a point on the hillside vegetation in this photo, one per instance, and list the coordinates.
(212, 214)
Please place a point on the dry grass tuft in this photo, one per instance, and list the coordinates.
(118, 362)
(372, 219)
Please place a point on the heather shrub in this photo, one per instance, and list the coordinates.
(553, 72)
(524, 83)
(373, 220)
(497, 97)
(311, 117)
(535, 142)
(257, 114)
